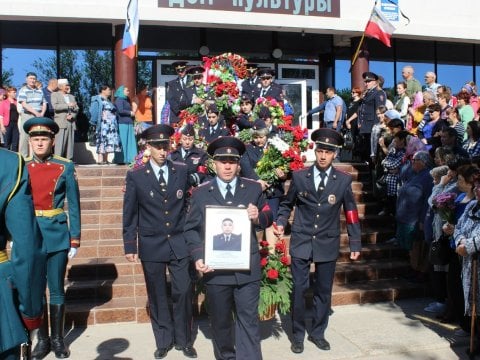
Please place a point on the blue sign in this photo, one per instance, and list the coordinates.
(389, 9)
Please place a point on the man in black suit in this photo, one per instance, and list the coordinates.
(318, 193)
(153, 218)
(227, 240)
(176, 91)
(268, 88)
(252, 82)
(215, 127)
(195, 90)
(233, 296)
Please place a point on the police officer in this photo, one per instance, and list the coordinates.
(154, 213)
(252, 82)
(246, 116)
(176, 91)
(195, 158)
(373, 97)
(268, 88)
(318, 193)
(194, 91)
(53, 180)
(21, 309)
(233, 296)
(215, 127)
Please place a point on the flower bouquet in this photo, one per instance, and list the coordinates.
(444, 205)
(276, 284)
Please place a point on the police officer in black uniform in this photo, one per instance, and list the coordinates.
(153, 218)
(176, 91)
(215, 126)
(268, 88)
(194, 90)
(252, 82)
(233, 296)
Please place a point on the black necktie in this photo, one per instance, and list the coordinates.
(228, 194)
(262, 94)
(321, 185)
(161, 180)
(186, 155)
(212, 130)
(227, 238)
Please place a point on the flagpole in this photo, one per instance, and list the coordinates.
(355, 56)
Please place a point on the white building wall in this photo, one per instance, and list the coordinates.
(444, 20)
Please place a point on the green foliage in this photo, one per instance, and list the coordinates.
(6, 79)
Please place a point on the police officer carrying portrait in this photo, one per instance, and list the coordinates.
(22, 278)
(318, 193)
(53, 181)
(252, 82)
(232, 296)
(268, 88)
(373, 97)
(153, 218)
(195, 158)
(176, 91)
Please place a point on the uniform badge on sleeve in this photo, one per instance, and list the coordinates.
(179, 194)
(332, 199)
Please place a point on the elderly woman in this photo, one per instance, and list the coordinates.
(125, 114)
(412, 207)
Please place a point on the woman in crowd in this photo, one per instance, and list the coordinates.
(351, 119)
(453, 119)
(246, 117)
(103, 115)
(430, 133)
(9, 120)
(144, 113)
(465, 110)
(403, 101)
(125, 114)
(472, 143)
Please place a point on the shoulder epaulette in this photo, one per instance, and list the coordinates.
(61, 158)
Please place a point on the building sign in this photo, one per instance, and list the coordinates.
(328, 8)
(389, 8)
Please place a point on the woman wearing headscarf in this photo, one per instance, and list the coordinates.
(126, 112)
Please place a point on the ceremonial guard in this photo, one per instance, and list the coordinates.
(153, 218)
(22, 278)
(215, 127)
(194, 91)
(252, 82)
(232, 296)
(268, 88)
(373, 97)
(176, 91)
(195, 158)
(318, 193)
(53, 181)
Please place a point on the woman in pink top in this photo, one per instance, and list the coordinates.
(9, 119)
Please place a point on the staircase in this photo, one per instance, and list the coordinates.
(102, 287)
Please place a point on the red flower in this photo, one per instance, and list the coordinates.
(272, 274)
(264, 252)
(310, 145)
(285, 260)
(280, 247)
(264, 243)
(263, 261)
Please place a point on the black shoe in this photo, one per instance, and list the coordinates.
(42, 349)
(322, 344)
(188, 351)
(297, 347)
(161, 353)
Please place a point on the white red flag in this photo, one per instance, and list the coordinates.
(130, 35)
(379, 27)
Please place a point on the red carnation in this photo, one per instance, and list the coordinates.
(263, 261)
(264, 243)
(280, 247)
(310, 145)
(272, 274)
(264, 252)
(285, 260)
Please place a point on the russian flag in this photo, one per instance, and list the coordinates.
(379, 27)
(130, 34)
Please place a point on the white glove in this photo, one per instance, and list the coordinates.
(11, 244)
(72, 252)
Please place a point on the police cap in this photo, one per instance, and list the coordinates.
(158, 133)
(40, 126)
(327, 139)
(196, 70)
(179, 65)
(226, 148)
(188, 130)
(369, 76)
(266, 72)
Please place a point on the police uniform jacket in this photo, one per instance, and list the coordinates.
(54, 180)
(246, 192)
(219, 131)
(274, 92)
(367, 116)
(153, 219)
(249, 86)
(177, 99)
(234, 243)
(196, 161)
(245, 121)
(316, 223)
(248, 163)
(25, 272)
(190, 91)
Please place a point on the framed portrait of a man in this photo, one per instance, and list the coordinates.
(227, 238)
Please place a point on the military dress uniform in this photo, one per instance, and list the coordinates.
(315, 237)
(237, 292)
(176, 93)
(153, 218)
(53, 180)
(20, 310)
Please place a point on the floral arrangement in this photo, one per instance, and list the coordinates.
(444, 205)
(276, 283)
(276, 110)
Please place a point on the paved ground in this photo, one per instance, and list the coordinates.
(382, 331)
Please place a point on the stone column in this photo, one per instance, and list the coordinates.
(125, 68)
(361, 64)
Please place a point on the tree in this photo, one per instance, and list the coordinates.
(7, 76)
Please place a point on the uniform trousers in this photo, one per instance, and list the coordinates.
(23, 145)
(165, 330)
(239, 303)
(56, 267)
(64, 141)
(322, 297)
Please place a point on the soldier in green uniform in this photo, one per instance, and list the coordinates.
(53, 180)
(22, 278)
